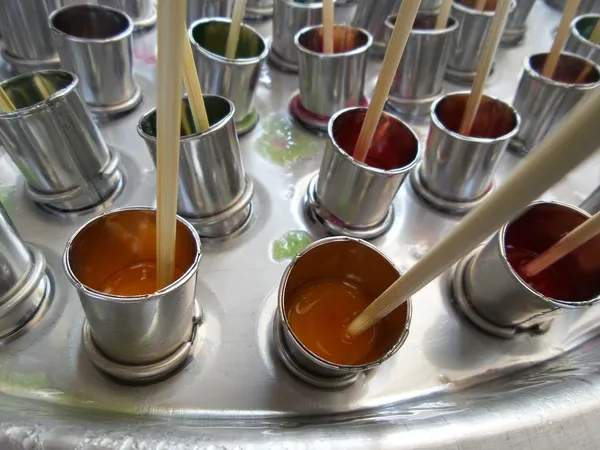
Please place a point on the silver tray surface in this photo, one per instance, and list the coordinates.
(450, 386)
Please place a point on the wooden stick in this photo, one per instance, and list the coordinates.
(594, 39)
(560, 39)
(485, 65)
(595, 36)
(442, 17)
(393, 55)
(5, 102)
(579, 236)
(547, 164)
(234, 28)
(168, 116)
(480, 5)
(328, 26)
(192, 86)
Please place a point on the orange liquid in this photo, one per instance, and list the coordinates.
(136, 279)
(319, 314)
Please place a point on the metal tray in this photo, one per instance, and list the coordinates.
(450, 386)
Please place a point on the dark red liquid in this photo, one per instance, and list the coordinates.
(393, 145)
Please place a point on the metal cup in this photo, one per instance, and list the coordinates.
(342, 258)
(371, 16)
(542, 102)
(141, 12)
(340, 75)
(24, 284)
(27, 38)
(585, 6)
(95, 43)
(137, 330)
(579, 40)
(352, 198)
(235, 79)
(213, 192)
(492, 294)
(258, 9)
(592, 203)
(198, 9)
(54, 141)
(457, 171)
(516, 26)
(469, 40)
(419, 79)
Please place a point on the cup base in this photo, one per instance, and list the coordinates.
(230, 222)
(452, 207)
(460, 298)
(252, 13)
(247, 124)
(20, 65)
(461, 77)
(334, 226)
(145, 23)
(319, 381)
(114, 111)
(411, 107)
(147, 373)
(513, 37)
(279, 62)
(25, 306)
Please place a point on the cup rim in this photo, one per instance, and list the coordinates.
(236, 61)
(309, 5)
(575, 31)
(117, 37)
(500, 238)
(306, 351)
(429, 31)
(211, 129)
(104, 297)
(473, 12)
(362, 49)
(42, 104)
(365, 166)
(538, 76)
(438, 123)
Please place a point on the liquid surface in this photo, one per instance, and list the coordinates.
(319, 313)
(136, 279)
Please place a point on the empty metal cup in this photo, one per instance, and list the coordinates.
(258, 9)
(54, 141)
(352, 198)
(340, 75)
(419, 79)
(199, 9)
(585, 6)
(516, 26)
(27, 38)
(469, 40)
(24, 284)
(95, 43)
(213, 192)
(346, 259)
(592, 203)
(141, 12)
(235, 79)
(457, 171)
(371, 15)
(492, 293)
(542, 102)
(579, 40)
(133, 330)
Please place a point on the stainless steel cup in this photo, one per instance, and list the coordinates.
(134, 330)
(342, 258)
(258, 9)
(353, 198)
(340, 75)
(24, 285)
(542, 102)
(212, 182)
(495, 297)
(95, 43)
(27, 38)
(585, 6)
(141, 12)
(592, 203)
(54, 141)
(457, 171)
(469, 40)
(516, 26)
(579, 39)
(235, 79)
(199, 9)
(371, 15)
(419, 79)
